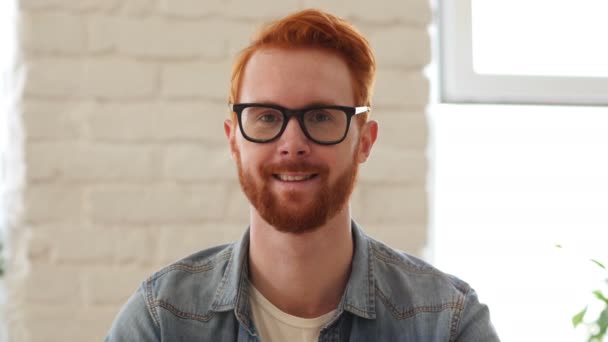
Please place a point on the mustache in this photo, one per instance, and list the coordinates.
(294, 166)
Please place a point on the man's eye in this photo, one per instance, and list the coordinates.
(268, 118)
(320, 117)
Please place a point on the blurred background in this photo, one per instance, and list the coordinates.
(492, 149)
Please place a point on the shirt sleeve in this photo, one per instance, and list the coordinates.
(134, 322)
(475, 324)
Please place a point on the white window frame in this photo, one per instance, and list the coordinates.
(461, 84)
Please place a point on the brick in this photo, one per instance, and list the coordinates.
(49, 227)
(415, 12)
(412, 11)
(52, 32)
(58, 323)
(401, 129)
(76, 245)
(390, 204)
(272, 9)
(336, 7)
(53, 284)
(394, 166)
(239, 34)
(179, 242)
(135, 245)
(138, 7)
(69, 161)
(99, 245)
(411, 238)
(112, 286)
(92, 246)
(53, 203)
(103, 78)
(401, 46)
(83, 5)
(401, 88)
(53, 77)
(117, 78)
(160, 122)
(198, 79)
(199, 163)
(157, 37)
(39, 247)
(237, 207)
(234, 9)
(53, 119)
(102, 32)
(355, 200)
(192, 8)
(159, 204)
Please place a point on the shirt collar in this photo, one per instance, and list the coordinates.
(358, 298)
(233, 290)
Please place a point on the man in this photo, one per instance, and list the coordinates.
(303, 271)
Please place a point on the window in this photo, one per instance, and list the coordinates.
(518, 51)
(510, 181)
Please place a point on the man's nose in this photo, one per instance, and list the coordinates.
(293, 142)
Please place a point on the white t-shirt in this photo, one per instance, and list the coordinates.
(274, 325)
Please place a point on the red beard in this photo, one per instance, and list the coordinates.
(293, 213)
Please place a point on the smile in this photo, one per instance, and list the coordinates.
(293, 178)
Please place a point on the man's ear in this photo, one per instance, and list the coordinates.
(229, 130)
(369, 133)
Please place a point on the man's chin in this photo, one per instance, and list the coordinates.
(294, 199)
(293, 212)
(296, 225)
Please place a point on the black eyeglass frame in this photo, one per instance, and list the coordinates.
(299, 115)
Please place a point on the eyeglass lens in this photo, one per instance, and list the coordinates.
(264, 123)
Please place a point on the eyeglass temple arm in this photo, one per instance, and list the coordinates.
(359, 110)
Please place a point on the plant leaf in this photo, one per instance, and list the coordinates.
(557, 245)
(598, 263)
(602, 323)
(578, 318)
(599, 295)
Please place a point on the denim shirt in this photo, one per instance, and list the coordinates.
(390, 296)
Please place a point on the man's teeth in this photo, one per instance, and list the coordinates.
(287, 178)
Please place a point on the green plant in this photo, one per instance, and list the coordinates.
(598, 326)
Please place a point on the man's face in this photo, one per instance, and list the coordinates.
(295, 184)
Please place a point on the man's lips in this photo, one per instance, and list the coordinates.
(294, 177)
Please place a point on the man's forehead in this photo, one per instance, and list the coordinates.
(295, 62)
(313, 76)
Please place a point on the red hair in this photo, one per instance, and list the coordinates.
(315, 29)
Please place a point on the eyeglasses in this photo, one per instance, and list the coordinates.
(325, 125)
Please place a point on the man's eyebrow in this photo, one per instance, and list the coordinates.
(320, 104)
(308, 105)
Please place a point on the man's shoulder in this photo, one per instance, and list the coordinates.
(185, 289)
(403, 278)
(197, 275)
(415, 296)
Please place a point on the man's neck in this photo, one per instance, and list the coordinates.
(302, 274)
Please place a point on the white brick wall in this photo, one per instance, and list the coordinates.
(104, 78)
(127, 167)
